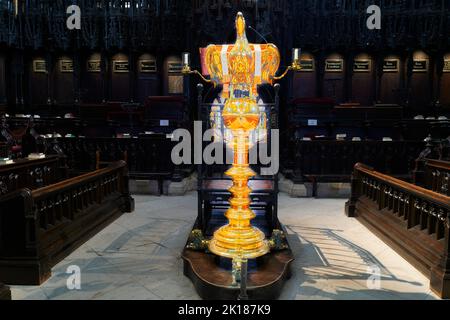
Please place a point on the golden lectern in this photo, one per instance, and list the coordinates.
(240, 69)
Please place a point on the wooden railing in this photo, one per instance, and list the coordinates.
(39, 228)
(413, 220)
(437, 176)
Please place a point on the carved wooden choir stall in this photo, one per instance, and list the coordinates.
(39, 227)
(413, 220)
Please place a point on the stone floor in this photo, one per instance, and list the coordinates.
(138, 256)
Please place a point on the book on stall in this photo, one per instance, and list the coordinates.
(33, 156)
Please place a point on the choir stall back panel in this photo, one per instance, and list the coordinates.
(305, 81)
(334, 80)
(421, 82)
(391, 81)
(63, 79)
(148, 78)
(445, 84)
(120, 77)
(38, 84)
(92, 83)
(363, 80)
(2, 78)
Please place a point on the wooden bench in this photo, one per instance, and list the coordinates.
(30, 173)
(437, 176)
(148, 157)
(414, 221)
(41, 227)
(333, 161)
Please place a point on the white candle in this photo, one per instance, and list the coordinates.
(296, 54)
(186, 58)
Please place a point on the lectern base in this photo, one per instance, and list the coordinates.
(214, 281)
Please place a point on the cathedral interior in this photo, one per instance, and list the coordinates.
(224, 149)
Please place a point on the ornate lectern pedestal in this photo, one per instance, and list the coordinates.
(218, 266)
(215, 282)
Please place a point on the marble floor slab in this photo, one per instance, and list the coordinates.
(138, 257)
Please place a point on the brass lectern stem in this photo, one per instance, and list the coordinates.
(239, 238)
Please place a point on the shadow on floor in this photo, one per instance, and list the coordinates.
(328, 266)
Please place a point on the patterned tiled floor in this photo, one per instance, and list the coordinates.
(138, 257)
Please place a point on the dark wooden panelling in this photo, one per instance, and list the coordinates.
(2, 78)
(63, 88)
(91, 85)
(168, 77)
(391, 83)
(147, 83)
(120, 81)
(363, 83)
(445, 86)
(333, 83)
(38, 84)
(421, 84)
(304, 83)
